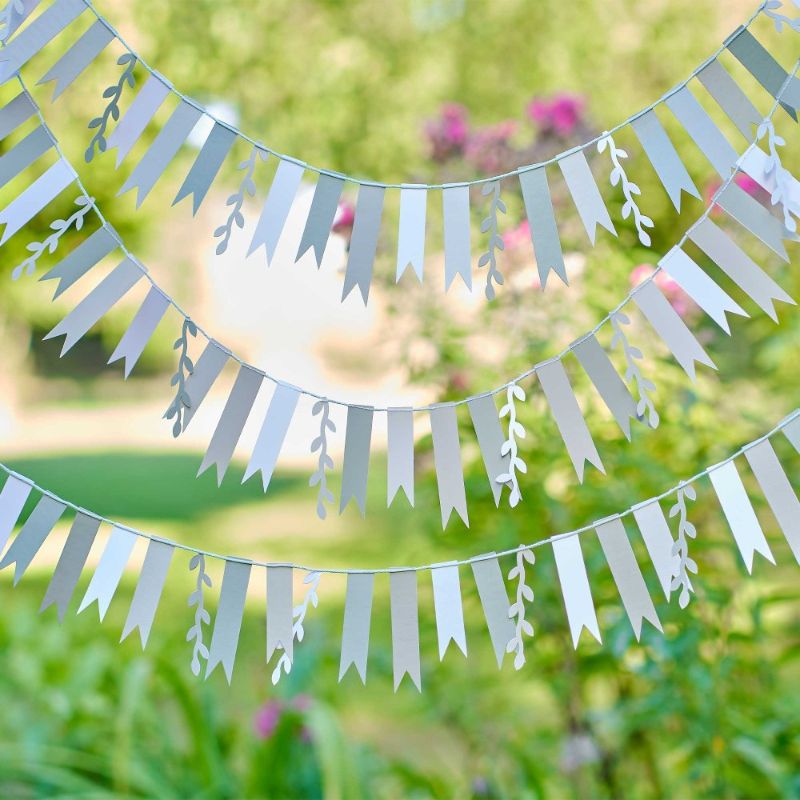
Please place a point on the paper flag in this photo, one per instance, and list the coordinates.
(140, 330)
(760, 167)
(86, 255)
(138, 115)
(457, 252)
(792, 433)
(320, 217)
(12, 500)
(750, 214)
(657, 537)
(279, 611)
(569, 419)
(356, 457)
(585, 194)
(206, 166)
(730, 98)
(542, 223)
(70, 564)
(448, 608)
(32, 535)
(740, 514)
(24, 153)
(206, 371)
(364, 241)
(411, 231)
(14, 113)
(447, 460)
(276, 208)
(405, 627)
(355, 629)
(490, 439)
(575, 587)
(228, 621)
(16, 14)
(148, 590)
(400, 454)
(109, 571)
(494, 600)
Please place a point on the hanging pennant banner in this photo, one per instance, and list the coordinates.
(279, 611)
(273, 432)
(12, 500)
(568, 416)
(405, 627)
(738, 266)
(457, 252)
(78, 58)
(206, 371)
(231, 423)
(96, 304)
(206, 166)
(494, 601)
(32, 535)
(23, 154)
(276, 208)
(668, 324)
(542, 224)
(448, 608)
(148, 590)
(657, 537)
(627, 575)
(400, 473)
(70, 563)
(320, 217)
(135, 120)
(357, 437)
(411, 232)
(606, 380)
(739, 512)
(575, 587)
(141, 329)
(16, 14)
(109, 571)
(85, 256)
(585, 194)
(490, 440)
(14, 113)
(447, 460)
(777, 490)
(364, 241)
(355, 629)
(34, 198)
(228, 621)
(730, 98)
(761, 168)
(664, 157)
(792, 433)
(750, 214)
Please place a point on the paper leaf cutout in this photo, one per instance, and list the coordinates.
(324, 462)
(509, 448)
(298, 632)
(49, 245)
(7, 13)
(236, 200)
(516, 610)
(489, 225)
(680, 549)
(629, 189)
(782, 193)
(181, 401)
(779, 19)
(113, 94)
(201, 615)
(642, 386)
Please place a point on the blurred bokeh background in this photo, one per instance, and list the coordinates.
(417, 90)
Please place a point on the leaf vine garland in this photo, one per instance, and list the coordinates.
(516, 611)
(489, 225)
(779, 19)
(782, 193)
(112, 94)
(59, 228)
(324, 462)
(509, 447)
(629, 189)
(201, 615)
(643, 386)
(683, 565)
(299, 615)
(181, 400)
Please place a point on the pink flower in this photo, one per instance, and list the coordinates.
(742, 180)
(447, 135)
(517, 237)
(560, 114)
(267, 718)
(488, 147)
(345, 217)
(669, 288)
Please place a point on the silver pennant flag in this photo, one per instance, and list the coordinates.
(568, 416)
(364, 241)
(490, 439)
(273, 432)
(276, 208)
(96, 304)
(279, 611)
(616, 395)
(457, 252)
(36, 529)
(585, 194)
(700, 287)
(405, 627)
(320, 217)
(16, 14)
(234, 415)
(448, 608)
(400, 473)
(109, 571)
(411, 231)
(703, 131)
(78, 57)
(668, 324)
(14, 113)
(739, 512)
(148, 590)
(447, 460)
(12, 500)
(24, 153)
(759, 166)
(730, 98)
(664, 157)
(228, 621)
(141, 329)
(34, 198)
(356, 457)
(85, 256)
(750, 214)
(792, 433)
(575, 587)
(206, 371)
(42, 30)
(70, 564)
(138, 115)
(627, 575)
(355, 629)
(542, 223)
(738, 266)
(777, 490)
(494, 600)
(164, 148)
(657, 537)
(206, 166)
